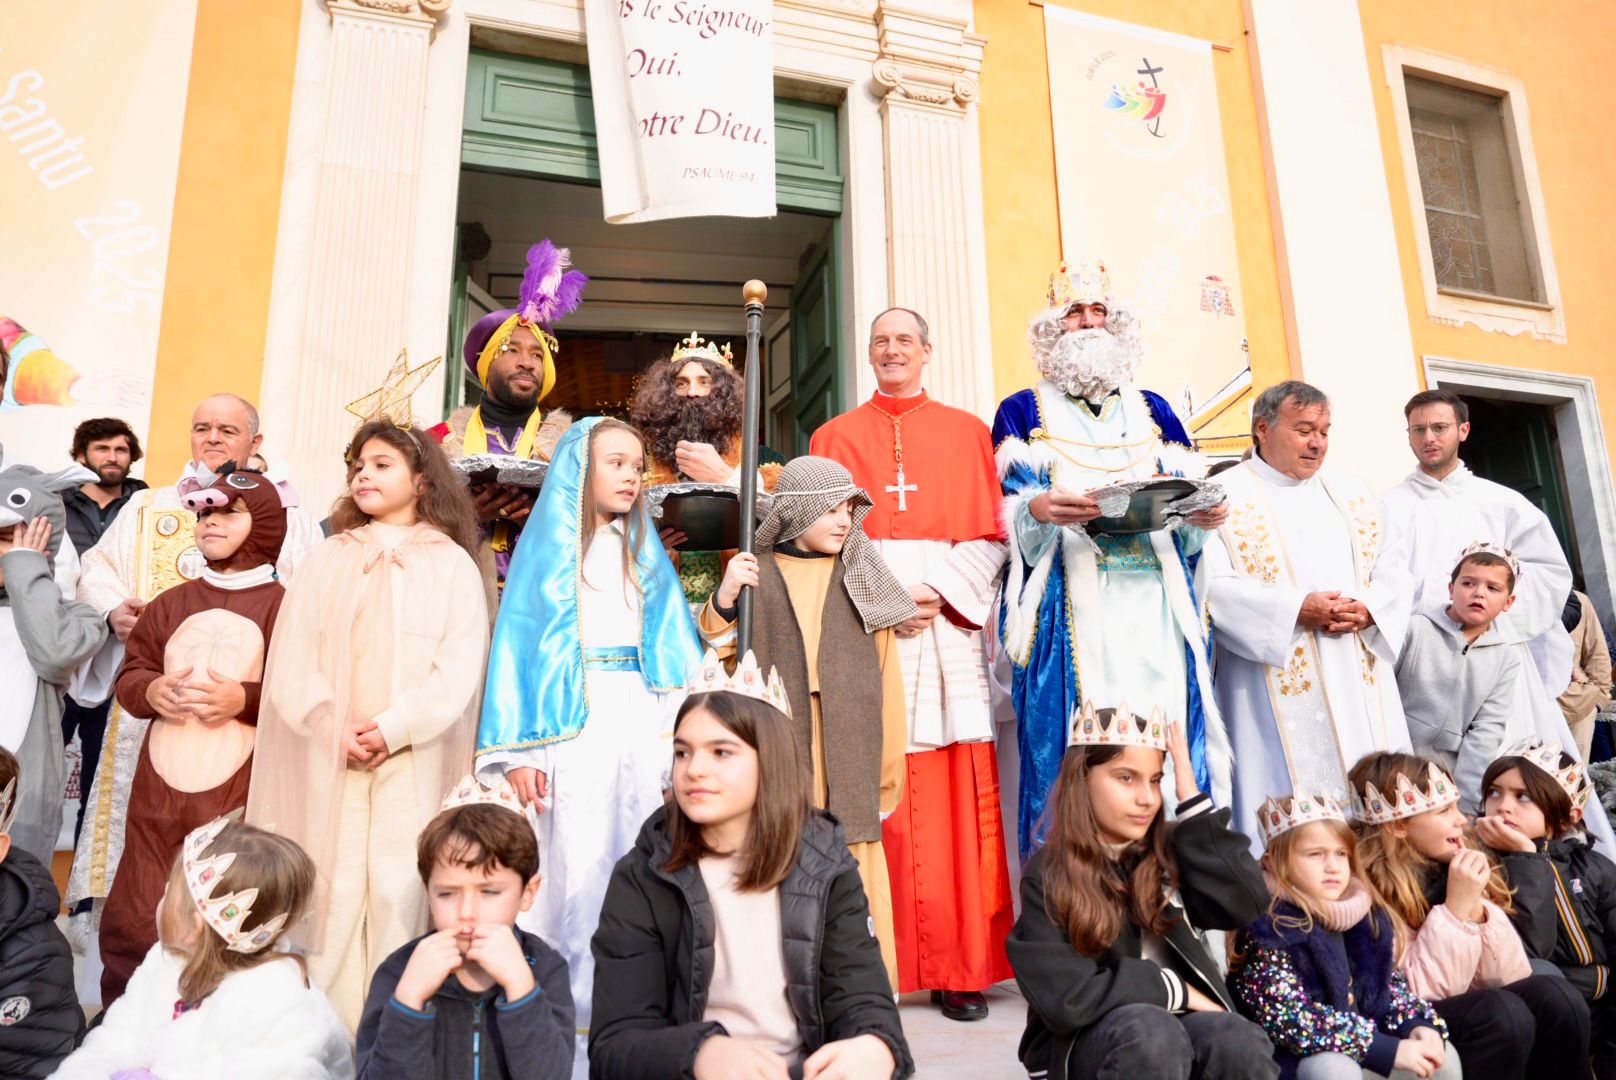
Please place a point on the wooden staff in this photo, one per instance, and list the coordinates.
(754, 292)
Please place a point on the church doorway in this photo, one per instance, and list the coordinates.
(529, 171)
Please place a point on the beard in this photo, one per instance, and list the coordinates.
(668, 419)
(1087, 364)
(499, 388)
(111, 475)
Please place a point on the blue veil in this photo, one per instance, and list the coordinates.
(535, 692)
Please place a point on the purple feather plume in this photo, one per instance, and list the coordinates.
(550, 292)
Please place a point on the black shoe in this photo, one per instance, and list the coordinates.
(961, 1004)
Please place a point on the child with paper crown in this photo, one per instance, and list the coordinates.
(1462, 954)
(370, 697)
(1533, 797)
(824, 617)
(1109, 950)
(1318, 970)
(193, 667)
(40, 1018)
(218, 995)
(739, 868)
(478, 995)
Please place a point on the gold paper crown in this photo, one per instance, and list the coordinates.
(1573, 779)
(1121, 728)
(1481, 547)
(1273, 819)
(1407, 800)
(710, 678)
(224, 913)
(391, 400)
(695, 347)
(8, 806)
(1086, 283)
(473, 792)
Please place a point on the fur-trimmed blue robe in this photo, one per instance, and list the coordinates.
(1039, 623)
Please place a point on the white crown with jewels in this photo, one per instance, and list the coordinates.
(1087, 282)
(1573, 779)
(1483, 547)
(1273, 819)
(8, 806)
(1123, 728)
(1406, 800)
(695, 347)
(227, 913)
(710, 677)
(473, 792)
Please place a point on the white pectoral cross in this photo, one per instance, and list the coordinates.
(903, 490)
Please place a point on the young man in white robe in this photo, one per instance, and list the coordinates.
(1309, 599)
(1442, 507)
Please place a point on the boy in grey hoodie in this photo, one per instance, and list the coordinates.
(1456, 674)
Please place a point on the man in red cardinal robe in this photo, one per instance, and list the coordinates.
(930, 470)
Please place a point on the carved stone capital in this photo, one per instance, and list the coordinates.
(426, 11)
(924, 85)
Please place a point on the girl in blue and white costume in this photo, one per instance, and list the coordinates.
(590, 654)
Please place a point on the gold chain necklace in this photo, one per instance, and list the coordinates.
(1043, 436)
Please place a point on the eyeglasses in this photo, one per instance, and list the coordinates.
(1419, 431)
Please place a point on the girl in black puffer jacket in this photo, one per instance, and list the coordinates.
(736, 934)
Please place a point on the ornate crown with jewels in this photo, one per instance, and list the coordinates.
(1406, 800)
(695, 347)
(1086, 283)
(1273, 819)
(8, 806)
(473, 792)
(227, 913)
(1573, 779)
(710, 677)
(1483, 547)
(1120, 728)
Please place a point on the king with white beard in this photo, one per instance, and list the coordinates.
(1109, 619)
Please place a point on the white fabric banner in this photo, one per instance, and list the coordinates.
(684, 107)
(1144, 187)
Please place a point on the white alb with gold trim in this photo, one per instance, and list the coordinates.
(1302, 706)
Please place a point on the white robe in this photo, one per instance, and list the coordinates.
(945, 675)
(1442, 518)
(1320, 545)
(603, 784)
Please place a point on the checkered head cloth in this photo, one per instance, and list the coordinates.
(810, 487)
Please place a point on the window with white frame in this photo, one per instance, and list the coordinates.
(1479, 225)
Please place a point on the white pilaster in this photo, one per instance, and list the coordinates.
(936, 251)
(1340, 278)
(347, 245)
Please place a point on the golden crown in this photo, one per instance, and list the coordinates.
(1119, 728)
(392, 399)
(224, 913)
(695, 347)
(710, 678)
(1407, 800)
(1086, 283)
(473, 792)
(1573, 779)
(1273, 819)
(1483, 547)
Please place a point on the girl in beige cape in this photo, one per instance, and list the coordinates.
(369, 711)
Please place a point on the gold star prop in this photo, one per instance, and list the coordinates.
(391, 400)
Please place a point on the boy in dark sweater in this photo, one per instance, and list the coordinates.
(40, 1019)
(478, 997)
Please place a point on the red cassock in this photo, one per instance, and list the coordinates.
(945, 842)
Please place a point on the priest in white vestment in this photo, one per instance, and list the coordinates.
(1442, 508)
(1309, 599)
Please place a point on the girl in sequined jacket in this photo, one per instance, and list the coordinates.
(1318, 969)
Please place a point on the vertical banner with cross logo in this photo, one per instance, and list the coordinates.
(684, 107)
(1144, 187)
(92, 101)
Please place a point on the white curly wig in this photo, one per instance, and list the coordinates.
(1087, 363)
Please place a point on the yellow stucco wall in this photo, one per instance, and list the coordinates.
(226, 207)
(1018, 176)
(1561, 51)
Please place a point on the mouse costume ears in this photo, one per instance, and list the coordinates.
(27, 493)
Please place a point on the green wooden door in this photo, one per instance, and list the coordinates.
(816, 384)
(1511, 444)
